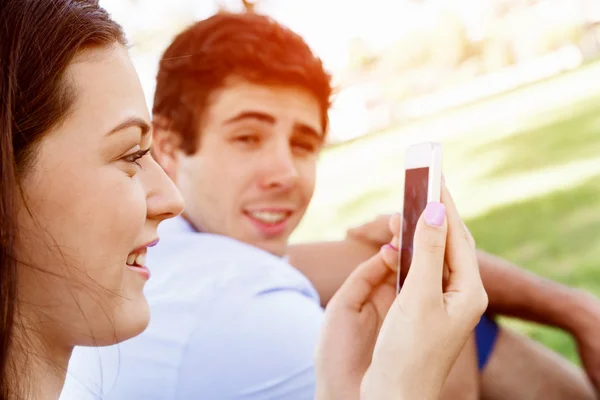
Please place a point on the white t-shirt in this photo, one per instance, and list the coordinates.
(228, 321)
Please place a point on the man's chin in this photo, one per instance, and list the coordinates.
(276, 247)
(272, 239)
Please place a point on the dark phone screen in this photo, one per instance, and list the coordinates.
(415, 200)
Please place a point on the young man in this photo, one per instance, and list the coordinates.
(240, 116)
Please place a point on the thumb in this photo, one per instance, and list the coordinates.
(365, 279)
(375, 232)
(426, 271)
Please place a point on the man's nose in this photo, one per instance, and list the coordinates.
(279, 169)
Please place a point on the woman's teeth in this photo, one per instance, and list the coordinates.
(269, 217)
(137, 259)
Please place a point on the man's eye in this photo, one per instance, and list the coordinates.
(305, 146)
(248, 139)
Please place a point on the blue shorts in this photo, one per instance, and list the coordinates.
(486, 333)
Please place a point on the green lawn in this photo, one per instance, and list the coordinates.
(524, 169)
(556, 236)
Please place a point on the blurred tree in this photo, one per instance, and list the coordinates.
(250, 5)
(361, 55)
(221, 7)
(448, 42)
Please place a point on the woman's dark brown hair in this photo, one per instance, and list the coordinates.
(38, 40)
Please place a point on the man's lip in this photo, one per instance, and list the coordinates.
(269, 209)
(269, 230)
(149, 244)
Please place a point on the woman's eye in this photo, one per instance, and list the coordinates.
(134, 157)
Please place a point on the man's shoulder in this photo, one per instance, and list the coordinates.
(205, 247)
(202, 264)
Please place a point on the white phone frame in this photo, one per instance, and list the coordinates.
(427, 155)
(424, 155)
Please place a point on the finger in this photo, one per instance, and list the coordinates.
(390, 256)
(395, 222)
(355, 291)
(470, 237)
(462, 265)
(446, 273)
(373, 231)
(456, 226)
(464, 276)
(395, 226)
(424, 277)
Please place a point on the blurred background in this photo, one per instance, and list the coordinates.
(510, 87)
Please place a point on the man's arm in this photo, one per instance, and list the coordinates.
(328, 264)
(515, 292)
(519, 293)
(512, 291)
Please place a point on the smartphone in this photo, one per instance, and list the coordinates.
(422, 184)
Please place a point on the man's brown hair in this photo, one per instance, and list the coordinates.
(249, 46)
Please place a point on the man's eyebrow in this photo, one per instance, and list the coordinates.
(264, 117)
(308, 130)
(257, 115)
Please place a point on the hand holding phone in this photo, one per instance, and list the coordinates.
(378, 345)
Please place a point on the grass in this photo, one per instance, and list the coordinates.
(568, 136)
(524, 169)
(556, 236)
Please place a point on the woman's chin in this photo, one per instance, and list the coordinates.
(128, 320)
(133, 319)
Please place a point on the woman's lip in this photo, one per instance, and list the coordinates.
(149, 244)
(143, 270)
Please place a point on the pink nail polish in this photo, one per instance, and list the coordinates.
(435, 214)
(390, 246)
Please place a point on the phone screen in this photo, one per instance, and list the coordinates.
(416, 182)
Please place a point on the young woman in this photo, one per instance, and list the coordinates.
(80, 201)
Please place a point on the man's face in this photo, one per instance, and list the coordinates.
(253, 175)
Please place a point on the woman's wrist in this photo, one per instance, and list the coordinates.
(347, 391)
(381, 385)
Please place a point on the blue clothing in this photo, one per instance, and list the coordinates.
(486, 333)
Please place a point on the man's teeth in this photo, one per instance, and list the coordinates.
(269, 217)
(136, 259)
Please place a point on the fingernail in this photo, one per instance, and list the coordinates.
(435, 213)
(389, 246)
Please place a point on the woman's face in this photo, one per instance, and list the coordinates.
(91, 208)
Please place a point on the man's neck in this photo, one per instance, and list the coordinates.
(196, 228)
